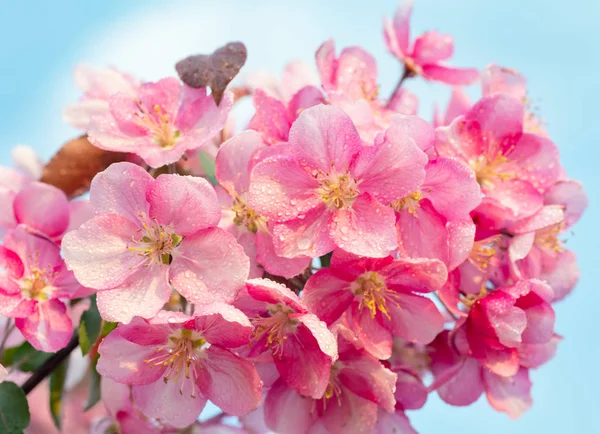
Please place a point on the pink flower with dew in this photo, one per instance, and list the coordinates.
(97, 85)
(175, 363)
(350, 81)
(410, 362)
(513, 168)
(433, 220)
(273, 118)
(161, 122)
(330, 190)
(426, 56)
(358, 386)
(380, 297)
(234, 163)
(296, 76)
(460, 380)
(303, 348)
(458, 105)
(34, 286)
(150, 235)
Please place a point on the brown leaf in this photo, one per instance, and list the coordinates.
(74, 166)
(215, 70)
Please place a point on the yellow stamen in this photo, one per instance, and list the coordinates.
(158, 123)
(374, 293)
(337, 190)
(275, 327)
(410, 203)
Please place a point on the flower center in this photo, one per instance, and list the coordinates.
(155, 243)
(36, 286)
(410, 203)
(334, 388)
(181, 356)
(246, 216)
(373, 292)
(484, 251)
(337, 191)
(488, 170)
(547, 238)
(275, 327)
(159, 124)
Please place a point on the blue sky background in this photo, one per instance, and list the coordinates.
(554, 43)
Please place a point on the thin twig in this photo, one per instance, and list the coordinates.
(406, 74)
(50, 365)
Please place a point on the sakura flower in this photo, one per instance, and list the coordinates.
(512, 167)
(234, 162)
(358, 386)
(34, 284)
(175, 363)
(425, 57)
(458, 105)
(330, 190)
(303, 348)
(379, 296)
(161, 122)
(149, 234)
(97, 85)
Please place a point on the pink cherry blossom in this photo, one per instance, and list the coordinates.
(428, 52)
(175, 363)
(140, 243)
(34, 286)
(235, 160)
(380, 296)
(330, 190)
(303, 348)
(512, 167)
(161, 122)
(358, 385)
(97, 85)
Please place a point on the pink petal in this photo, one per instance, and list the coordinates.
(513, 199)
(397, 422)
(374, 335)
(466, 386)
(354, 415)
(49, 328)
(536, 160)
(270, 118)
(209, 266)
(232, 167)
(28, 161)
(451, 187)
(121, 189)
(431, 47)
(511, 395)
(570, 195)
(43, 208)
(327, 296)
(458, 105)
(563, 275)
(356, 73)
(287, 412)
(495, 78)
(124, 361)
(325, 339)
(267, 291)
(460, 241)
(98, 252)
(326, 63)
(306, 97)
(535, 355)
(397, 34)
(420, 275)
(281, 190)
(143, 294)
(308, 236)
(449, 75)
(276, 265)
(81, 211)
(393, 167)
(141, 332)
(234, 384)
(170, 401)
(414, 318)
(366, 229)
(410, 393)
(548, 215)
(324, 137)
(222, 324)
(11, 267)
(185, 203)
(404, 102)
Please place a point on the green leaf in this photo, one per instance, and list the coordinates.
(208, 165)
(14, 409)
(25, 357)
(93, 386)
(89, 327)
(108, 327)
(57, 386)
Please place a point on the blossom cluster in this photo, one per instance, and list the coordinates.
(348, 258)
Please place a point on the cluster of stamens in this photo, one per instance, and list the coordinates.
(484, 251)
(37, 285)
(275, 328)
(155, 242)
(158, 123)
(337, 190)
(547, 238)
(334, 388)
(411, 203)
(490, 169)
(373, 293)
(181, 356)
(246, 216)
